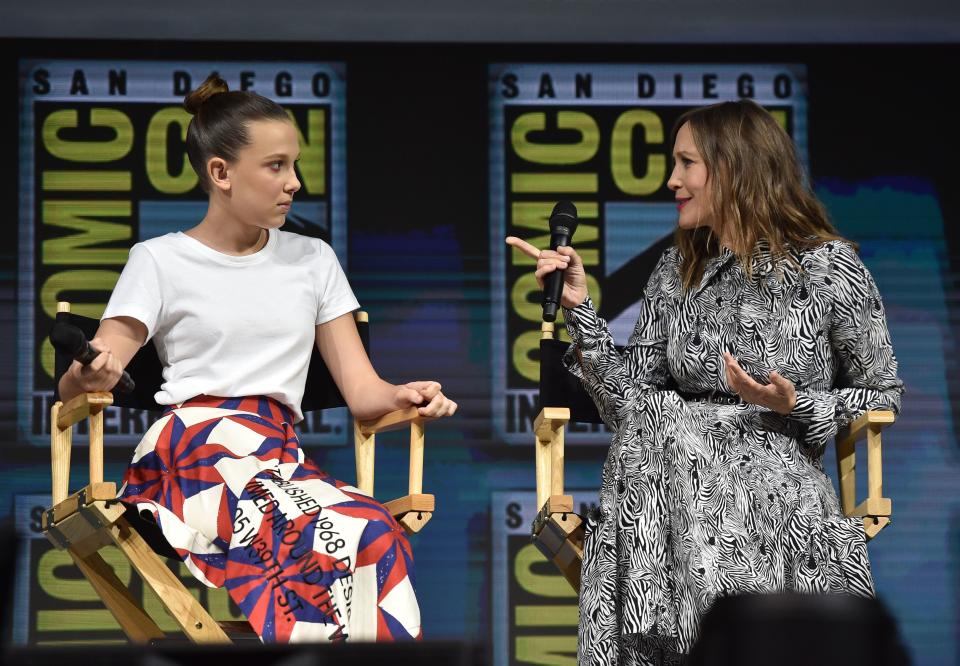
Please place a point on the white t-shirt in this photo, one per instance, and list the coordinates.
(232, 326)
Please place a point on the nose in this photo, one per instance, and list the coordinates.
(293, 184)
(674, 183)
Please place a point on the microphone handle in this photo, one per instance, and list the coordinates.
(554, 282)
(86, 355)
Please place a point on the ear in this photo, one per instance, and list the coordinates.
(218, 174)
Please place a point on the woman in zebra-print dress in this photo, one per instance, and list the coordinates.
(761, 333)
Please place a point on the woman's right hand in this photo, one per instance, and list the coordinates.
(564, 259)
(101, 374)
(426, 397)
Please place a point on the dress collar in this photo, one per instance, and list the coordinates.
(714, 265)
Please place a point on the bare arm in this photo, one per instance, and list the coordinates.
(118, 339)
(366, 394)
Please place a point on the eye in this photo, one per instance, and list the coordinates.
(686, 161)
(276, 166)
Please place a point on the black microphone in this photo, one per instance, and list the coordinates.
(70, 340)
(563, 222)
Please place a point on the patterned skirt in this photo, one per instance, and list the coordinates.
(700, 501)
(304, 556)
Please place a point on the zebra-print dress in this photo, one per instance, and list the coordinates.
(701, 499)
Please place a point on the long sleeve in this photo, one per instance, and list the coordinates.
(867, 368)
(614, 379)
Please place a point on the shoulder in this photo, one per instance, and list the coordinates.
(838, 266)
(290, 240)
(831, 254)
(157, 249)
(167, 244)
(305, 250)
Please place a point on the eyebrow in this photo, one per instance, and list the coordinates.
(281, 155)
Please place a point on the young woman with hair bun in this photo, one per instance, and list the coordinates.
(234, 306)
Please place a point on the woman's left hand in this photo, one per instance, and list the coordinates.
(428, 398)
(779, 395)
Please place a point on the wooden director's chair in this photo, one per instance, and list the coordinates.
(558, 531)
(91, 518)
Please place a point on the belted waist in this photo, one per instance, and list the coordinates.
(715, 397)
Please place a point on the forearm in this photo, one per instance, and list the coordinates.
(595, 360)
(372, 398)
(117, 340)
(823, 413)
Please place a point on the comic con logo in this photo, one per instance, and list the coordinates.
(600, 137)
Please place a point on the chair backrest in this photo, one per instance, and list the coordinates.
(560, 388)
(145, 369)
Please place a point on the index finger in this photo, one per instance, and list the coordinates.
(523, 246)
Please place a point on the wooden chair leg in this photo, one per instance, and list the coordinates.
(195, 621)
(557, 530)
(421, 507)
(136, 624)
(60, 443)
(414, 510)
(364, 444)
(559, 536)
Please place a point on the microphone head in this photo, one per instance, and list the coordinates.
(67, 339)
(564, 215)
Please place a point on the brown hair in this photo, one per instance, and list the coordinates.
(758, 189)
(219, 124)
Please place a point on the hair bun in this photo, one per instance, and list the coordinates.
(213, 85)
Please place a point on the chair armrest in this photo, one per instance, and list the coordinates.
(364, 436)
(876, 509)
(859, 428)
(548, 427)
(415, 509)
(392, 421)
(82, 406)
(62, 419)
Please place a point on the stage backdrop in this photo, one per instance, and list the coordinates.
(448, 151)
(598, 135)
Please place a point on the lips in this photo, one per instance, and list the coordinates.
(681, 203)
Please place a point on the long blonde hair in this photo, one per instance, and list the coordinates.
(757, 186)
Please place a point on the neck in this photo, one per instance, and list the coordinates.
(225, 233)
